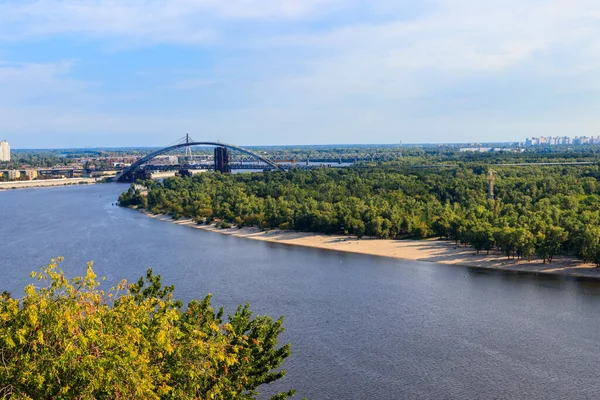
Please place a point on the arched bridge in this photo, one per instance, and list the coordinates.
(129, 172)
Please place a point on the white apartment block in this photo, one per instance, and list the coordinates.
(4, 151)
(165, 160)
(536, 141)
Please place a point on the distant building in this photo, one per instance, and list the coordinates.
(13, 174)
(30, 174)
(4, 151)
(491, 150)
(561, 140)
(476, 149)
(165, 160)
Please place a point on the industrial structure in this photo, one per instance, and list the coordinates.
(491, 178)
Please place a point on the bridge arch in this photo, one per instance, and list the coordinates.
(126, 173)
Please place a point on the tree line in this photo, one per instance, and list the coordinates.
(537, 211)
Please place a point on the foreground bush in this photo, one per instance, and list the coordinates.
(70, 339)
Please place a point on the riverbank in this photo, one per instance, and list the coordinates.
(46, 183)
(431, 250)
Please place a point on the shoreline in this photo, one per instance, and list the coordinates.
(426, 250)
(14, 185)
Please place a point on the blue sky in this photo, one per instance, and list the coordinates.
(256, 72)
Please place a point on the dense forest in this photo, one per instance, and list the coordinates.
(537, 211)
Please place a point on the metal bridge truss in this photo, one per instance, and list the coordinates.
(128, 173)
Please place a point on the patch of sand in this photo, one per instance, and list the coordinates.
(431, 250)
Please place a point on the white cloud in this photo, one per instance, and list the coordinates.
(457, 43)
(142, 21)
(465, 35)
(31, 83)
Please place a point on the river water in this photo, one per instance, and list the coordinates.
(361, 327)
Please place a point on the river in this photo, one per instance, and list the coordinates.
(361, 327)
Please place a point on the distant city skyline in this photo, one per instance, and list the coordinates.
(534, 140)
(561, 140)
(529, 141)
(143, 73)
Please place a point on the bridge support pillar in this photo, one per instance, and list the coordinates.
(222, 160)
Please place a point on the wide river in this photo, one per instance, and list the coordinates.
(361, 327)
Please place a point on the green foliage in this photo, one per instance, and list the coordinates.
(538, 211)
(69, 339)
(590, 248)
(133, 198)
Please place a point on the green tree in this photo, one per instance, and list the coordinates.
(590, 247)
(69, 339)
(549, 242)
(538, 210)
(505, 239)
(481, 237)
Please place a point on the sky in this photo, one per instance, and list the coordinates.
(108, 73)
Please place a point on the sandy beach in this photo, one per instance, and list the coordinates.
(431, 250)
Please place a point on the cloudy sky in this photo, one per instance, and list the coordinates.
(88, 73)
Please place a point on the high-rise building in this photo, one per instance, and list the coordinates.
(4, 151)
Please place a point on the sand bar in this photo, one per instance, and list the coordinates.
(431, 250)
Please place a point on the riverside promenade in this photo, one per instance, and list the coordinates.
(46, 183)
